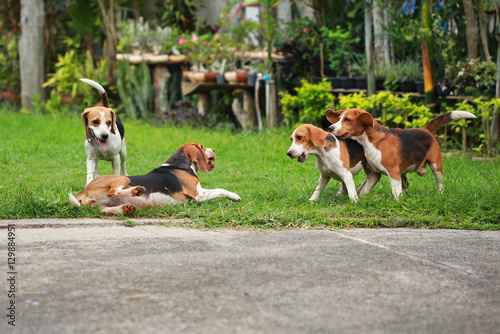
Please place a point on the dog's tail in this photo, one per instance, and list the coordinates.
(73, 201)
(101, 90)
(445, 118)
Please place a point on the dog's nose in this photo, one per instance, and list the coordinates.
(330, 128)
(289, 153)
(105, 136)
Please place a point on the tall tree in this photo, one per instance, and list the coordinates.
(31, 51)
(369, 47)
(471, 29)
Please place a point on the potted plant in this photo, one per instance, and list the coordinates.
(359, 70)
(65, 79)
(474, 77)
(410, 71)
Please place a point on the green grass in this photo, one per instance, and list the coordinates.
(42, 159)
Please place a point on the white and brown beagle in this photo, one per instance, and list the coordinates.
(104, 136)
(394, 152)
(173, 182)
(336, 158)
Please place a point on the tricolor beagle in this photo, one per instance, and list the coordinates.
(173, 182)
(104, 136)
(335, 157)
(394, 152)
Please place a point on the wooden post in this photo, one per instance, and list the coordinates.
(271, 111)
(161, 76)
(31, 51)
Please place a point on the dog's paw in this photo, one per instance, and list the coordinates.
(128, 209)
(235, 197)
(138, 191)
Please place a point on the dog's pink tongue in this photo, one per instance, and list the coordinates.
(102, 143)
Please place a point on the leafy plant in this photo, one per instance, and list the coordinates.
(338, 47)
(66, 77)
(309, 104)
(135, 89)
(473, 77)
(9, 58)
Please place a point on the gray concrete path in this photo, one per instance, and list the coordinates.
(95, 276)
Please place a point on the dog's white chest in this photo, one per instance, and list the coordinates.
(108, 152)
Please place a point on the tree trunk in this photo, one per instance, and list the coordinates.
(428, 57)
(387, 41)
(378, 32)
(471, 30)
(31, 51)
(483, 30)
(369, 48)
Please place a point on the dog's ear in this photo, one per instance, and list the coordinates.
(317, 136)
(333, 116)
(365, 118)
(196, 154)
(113, 121)
(85, 122)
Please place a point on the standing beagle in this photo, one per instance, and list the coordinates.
(336, 158)
(104, 136)
(394, 152)
(173, 182)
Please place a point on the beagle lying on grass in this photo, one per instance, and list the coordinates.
(394, 152)
(173, 182)
(104, 136)
(335, 157)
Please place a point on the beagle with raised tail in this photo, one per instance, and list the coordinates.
(104, 136)
(336, 158)
(394, 152)
(173, 182)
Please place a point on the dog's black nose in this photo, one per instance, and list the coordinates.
(330, 128)
(105, 136)
(289, 153)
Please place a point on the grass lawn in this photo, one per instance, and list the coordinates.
(42, 159)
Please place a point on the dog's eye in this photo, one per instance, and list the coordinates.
(299, 137)
(108, 123)
(96, 122)
(347, 119)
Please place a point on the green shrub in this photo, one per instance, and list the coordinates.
(310, 103)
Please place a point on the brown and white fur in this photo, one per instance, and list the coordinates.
(394, 152)
(336, 158)
(172, 183)
(104, 136)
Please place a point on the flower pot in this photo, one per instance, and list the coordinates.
(347, 83)
(198, 77)
(210, 77)
(177, 58)
(242, 77)
(156, 59)
(66, 98)
(185, 75)
(219, 78)
(360, 83)
(379, 84)
(12, 97)
(252, 79)
(335, 82)
(407, 86)
(231, 77)
(419, 84)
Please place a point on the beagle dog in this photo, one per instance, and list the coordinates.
(394, 152)
(336, 158)
(173, 182)
(104, 136)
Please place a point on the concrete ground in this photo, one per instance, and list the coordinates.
(97, 276)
